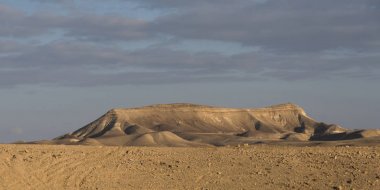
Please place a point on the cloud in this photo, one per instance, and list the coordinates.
(87, 64)
(283, 25)
(18, 24)
(293, 40)
(276, 25)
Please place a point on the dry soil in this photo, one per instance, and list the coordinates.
(245, 167)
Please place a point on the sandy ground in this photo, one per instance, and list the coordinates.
(246, 167)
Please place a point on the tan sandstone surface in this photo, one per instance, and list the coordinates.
(260, 166)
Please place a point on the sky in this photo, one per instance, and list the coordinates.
(63, 63)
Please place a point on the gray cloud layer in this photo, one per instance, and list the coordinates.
(87, 64)
(296, 40)
(295, 25)
(91, 27)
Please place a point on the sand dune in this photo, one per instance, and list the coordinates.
(200, 125)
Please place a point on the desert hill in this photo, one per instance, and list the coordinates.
(199, 125)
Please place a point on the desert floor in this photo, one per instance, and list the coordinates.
(245, 167)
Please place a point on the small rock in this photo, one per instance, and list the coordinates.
(338, 187)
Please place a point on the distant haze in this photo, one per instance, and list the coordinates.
(64, 63)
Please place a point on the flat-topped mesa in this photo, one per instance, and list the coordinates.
(184, 124)
(193, 118)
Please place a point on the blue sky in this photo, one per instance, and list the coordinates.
(63, 63)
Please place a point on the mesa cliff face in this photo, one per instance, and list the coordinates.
(199, 125)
